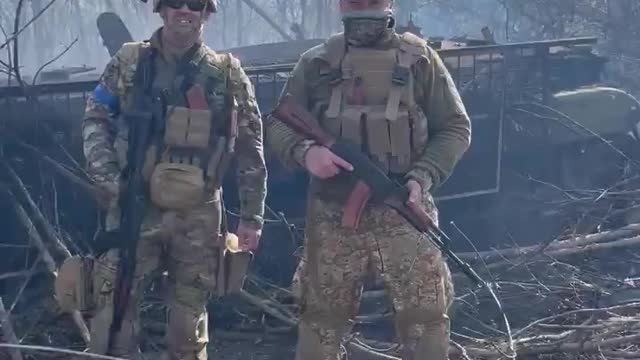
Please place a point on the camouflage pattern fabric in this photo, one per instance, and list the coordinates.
(329, 278)
(336, 261)
(184, 243)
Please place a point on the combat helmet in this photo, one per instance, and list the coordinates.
(212, 5)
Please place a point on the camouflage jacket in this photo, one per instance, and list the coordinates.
(101, 125)
(448, 122)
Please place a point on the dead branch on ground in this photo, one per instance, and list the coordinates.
(8, 334)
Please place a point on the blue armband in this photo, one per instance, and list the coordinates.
(104, 97)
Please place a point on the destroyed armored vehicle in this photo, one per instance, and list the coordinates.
(543, 124)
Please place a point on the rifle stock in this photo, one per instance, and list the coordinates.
(297, 118)
(372, 183)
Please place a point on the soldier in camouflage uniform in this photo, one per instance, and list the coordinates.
(392, 94)
(181, 232)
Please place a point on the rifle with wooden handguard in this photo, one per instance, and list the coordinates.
(373, 183)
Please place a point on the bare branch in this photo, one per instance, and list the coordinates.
(59, 351)
(9, 334)
(17, 31)
(35, 77)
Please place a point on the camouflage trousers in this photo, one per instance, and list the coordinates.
(186, 245)
(335, 263)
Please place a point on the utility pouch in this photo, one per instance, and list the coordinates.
(74, 284)
(188, 127)
(177, 186)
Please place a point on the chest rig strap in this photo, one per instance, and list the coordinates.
(143, 76)
(402, 80)
(187, 68)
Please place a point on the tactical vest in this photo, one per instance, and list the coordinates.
(372, 100)
(195, 126)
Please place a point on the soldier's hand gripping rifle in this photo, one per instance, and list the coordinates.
(373, 183)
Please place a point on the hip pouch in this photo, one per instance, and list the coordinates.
(176, 186)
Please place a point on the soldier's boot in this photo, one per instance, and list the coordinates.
(187, 332)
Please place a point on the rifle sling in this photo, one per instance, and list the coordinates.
(132, 202)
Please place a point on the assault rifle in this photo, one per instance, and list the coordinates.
(373, 183)
(133, 198)
(132, 205)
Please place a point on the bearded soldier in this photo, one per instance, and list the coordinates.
(204, 109)
(392, 94)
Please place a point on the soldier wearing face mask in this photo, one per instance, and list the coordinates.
(392, 94)
(204, 113)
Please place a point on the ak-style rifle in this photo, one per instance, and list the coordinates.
(373, 183)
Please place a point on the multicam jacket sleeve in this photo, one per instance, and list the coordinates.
(448, 123)
(252, 170)
(287, 145)
(103, 104)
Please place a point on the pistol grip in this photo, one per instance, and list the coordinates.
(354, 206)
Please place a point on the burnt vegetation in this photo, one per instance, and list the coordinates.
(545, 204)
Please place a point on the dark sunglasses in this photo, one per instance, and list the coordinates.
(193, 5)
